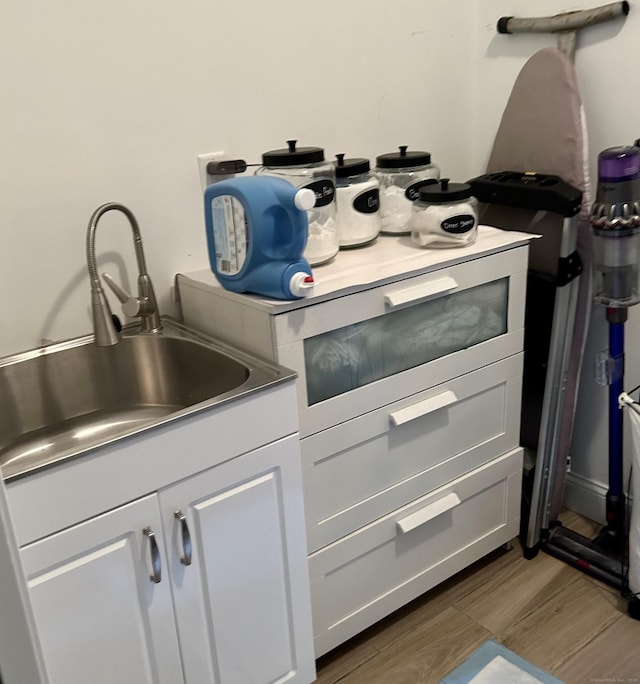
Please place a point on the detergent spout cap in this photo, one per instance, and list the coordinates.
(301, 284)
(304, 199)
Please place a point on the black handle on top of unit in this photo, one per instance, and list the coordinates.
(528, 190)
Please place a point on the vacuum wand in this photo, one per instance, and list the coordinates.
(614, 534)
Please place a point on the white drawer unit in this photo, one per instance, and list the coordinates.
(409, 366)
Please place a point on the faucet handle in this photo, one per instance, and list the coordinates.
(131, 306)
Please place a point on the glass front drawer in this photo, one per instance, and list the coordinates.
(355, 355)
(370, 348)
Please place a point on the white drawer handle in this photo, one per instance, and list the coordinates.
(419, 292)
(429, 512)
(422, 408)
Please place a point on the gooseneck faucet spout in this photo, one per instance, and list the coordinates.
(143, 306)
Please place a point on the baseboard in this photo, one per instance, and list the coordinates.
(585, 497)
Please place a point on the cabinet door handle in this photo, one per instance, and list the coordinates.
(422, 408)
(185, 558)
(416, 293)
(156, 563)
(429, 512)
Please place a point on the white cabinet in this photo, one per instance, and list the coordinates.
(202, 581)
(99, 616)
(238, 601)
(409, 367)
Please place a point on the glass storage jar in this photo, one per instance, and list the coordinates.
(358, 201)
(444, 215)
(401, 175)
(305, 167)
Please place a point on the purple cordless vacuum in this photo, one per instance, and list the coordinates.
(615, 219)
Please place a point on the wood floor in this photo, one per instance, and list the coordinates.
(556, 617)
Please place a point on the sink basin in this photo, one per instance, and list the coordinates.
(60, 401)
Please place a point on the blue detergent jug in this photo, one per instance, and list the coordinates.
(257, 230)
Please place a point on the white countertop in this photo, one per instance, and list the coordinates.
(360, 268)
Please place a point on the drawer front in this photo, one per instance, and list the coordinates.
(361, 470)
(358, 580)
(356, 353)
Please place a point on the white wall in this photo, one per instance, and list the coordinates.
(113, 101)
(609, 80)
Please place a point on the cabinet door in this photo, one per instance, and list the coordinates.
(242, 597)
(99, 615)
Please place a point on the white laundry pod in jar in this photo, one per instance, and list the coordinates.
(358, 201)
(444, 215)
(401, 175)
(305, 167)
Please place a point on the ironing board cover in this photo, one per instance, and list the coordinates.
(543, 130)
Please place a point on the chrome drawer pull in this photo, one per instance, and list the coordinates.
(185, 558)
(417, 293)
(429, 512)
(422, 408)
(156, 563)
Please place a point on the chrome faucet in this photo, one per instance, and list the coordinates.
(143, 306)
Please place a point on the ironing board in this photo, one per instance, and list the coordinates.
(543, 131)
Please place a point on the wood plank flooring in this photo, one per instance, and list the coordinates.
(556, 617)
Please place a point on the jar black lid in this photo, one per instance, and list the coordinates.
(351, 167)
(444, 191)
(293, 156)
(398, 160)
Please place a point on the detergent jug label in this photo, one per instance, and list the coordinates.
(324, 189)
(229, 234)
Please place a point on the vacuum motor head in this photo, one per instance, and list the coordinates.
(615, 219)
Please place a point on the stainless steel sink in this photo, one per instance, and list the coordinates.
(60, 401)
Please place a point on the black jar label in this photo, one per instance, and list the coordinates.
(462, 223)
(367, 202)
(412, 193)
(324, 190)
